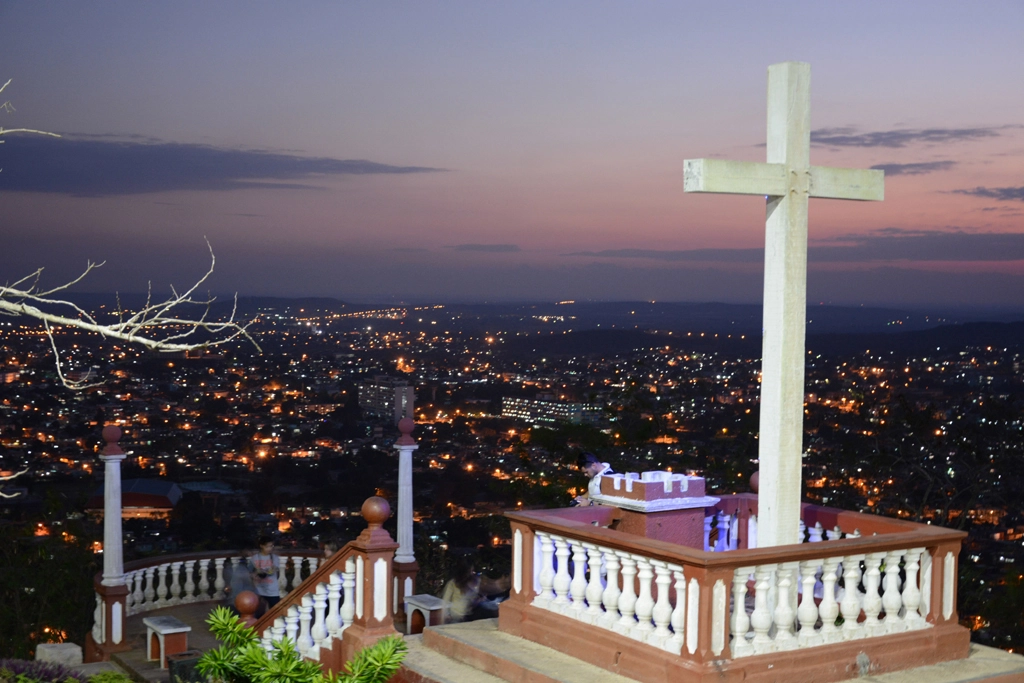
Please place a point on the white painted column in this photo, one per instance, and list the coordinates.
(113, 549)
(405, 445)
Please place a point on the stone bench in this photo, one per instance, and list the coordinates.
(165, 636)
(421, 611)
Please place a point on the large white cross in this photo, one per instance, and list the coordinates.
(788, 180)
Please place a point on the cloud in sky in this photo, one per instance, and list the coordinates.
(883, 245)
(1006, 194)
(915, 169)
(849, 137)
(491, 248)
(683, 255)
(96, 166)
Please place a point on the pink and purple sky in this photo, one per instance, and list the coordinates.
(521, 151)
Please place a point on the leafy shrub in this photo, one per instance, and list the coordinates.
(26, 671)
(110, 677)
(242, 658)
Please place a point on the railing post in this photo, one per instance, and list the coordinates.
(377, 550)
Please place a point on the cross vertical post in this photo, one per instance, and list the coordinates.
(787, 181)
(785, 307)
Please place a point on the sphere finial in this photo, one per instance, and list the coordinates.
(376, 511)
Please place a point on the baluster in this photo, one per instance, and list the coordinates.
(129, 599)
(319, 629)
(678, 621)
(740, 622)
(734, 532)
(150, 593)
(138, 596)
(627, 601)
(718, 546)
(752, 532)
(594, 587)
(282, 575)
(277, 631)
(850, 604)
(333, 622)
(801, 531)
(662, 613)
(161, 588)
(855, 534)
(891, 599)
(562, 580)
(267, 641)
(235, 562)
(190, 586)
(175, 584)
(807, 612)
(911, 593)
(578, 585)
(835, 533)
(305, 641)
(784, 613)
(645, 602)
(725, 523)
(204, 580)
(297, 576)
(761, 619)
(314, 562)
(291, 623)
(828, 610)
(707, 532)
(218, 580)
(348, 607)
(547, 571)
(610, 594)
(817, 533)
(872, 599)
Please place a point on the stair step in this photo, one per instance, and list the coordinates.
(423, 665)
(481, 645)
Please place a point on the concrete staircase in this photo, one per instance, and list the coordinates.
(478, 652)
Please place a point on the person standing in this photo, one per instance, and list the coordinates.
(263, 567)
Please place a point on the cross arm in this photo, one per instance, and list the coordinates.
(865, 184)
(733, 177)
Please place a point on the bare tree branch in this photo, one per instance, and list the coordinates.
(159, 326)
(8, 478)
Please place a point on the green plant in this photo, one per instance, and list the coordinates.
(242, 659)
(110, 677)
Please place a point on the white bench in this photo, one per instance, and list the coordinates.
(430, 609)
(165, 636)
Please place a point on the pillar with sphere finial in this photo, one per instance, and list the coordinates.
(405, 559)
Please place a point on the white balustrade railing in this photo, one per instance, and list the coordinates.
(642, 605)
(321, 616)
(773, 607)
(722, 532)
(822, 601)
(184, 581)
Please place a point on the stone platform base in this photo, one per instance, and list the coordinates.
(478, 653)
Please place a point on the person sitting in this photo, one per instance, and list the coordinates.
(466, 594)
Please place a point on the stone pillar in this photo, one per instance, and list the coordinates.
(113, 551)
(111, 590)
(405, 559)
